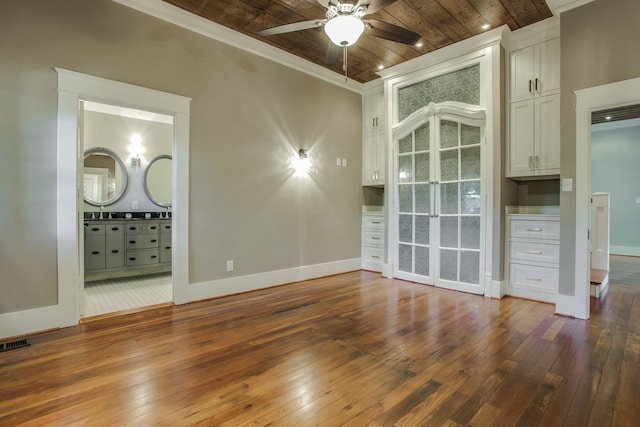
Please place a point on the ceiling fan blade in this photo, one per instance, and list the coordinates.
(333, 53)
(374, 5)
(324, 3)
(296, 26)
(391, 32)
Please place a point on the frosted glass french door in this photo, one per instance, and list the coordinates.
(439, 204)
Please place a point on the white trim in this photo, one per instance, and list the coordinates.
(624, 250)
(560, 6)
(533, 34)
(73, 87)
(28, 321)
(239, 284)
(587, 101)
(202, 26)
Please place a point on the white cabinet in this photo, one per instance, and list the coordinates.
(372, 240)
(534, 137)
(534, 113)
(535, 70)
(373, 140)
(533, 254)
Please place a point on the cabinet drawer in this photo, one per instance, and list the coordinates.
(532, 278)
(114, 229)
(142, 241)
(93, 229)
(535, 229)
(165, 226)
(374, 221)
(142, 257)
(533, 251)
(373, 255)
(142, 227)
(94, 253)
(165, 254)
(373, 238)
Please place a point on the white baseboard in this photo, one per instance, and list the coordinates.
(498, 289)
(569, 305)
(28, 321)
(239, 284)
(387, 270)
(624, 250)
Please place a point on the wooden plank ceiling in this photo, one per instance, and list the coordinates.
(439, 22)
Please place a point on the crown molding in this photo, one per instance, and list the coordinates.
(560, 6)
(535, 33)
(202, 26)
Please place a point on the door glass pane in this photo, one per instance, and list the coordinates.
(422, 260)
(422, 137)
(449, 231)
(405, 223)
(449, 165)
(449, 264)
(405, 168)
(405, 262)
(470, 232)
(406, 197)
(470, 197)
(423, 198)
(422, 167)
(449, 198)
(422, 230)
(448, 134)
(405, 144)
(470, 163)
(469, 135)
(470, 267)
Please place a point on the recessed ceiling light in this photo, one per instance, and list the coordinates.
(380, 67)
(419, 44)
(486, 26)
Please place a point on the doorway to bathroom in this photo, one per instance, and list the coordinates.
(127, 199)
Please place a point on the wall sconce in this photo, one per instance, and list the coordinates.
(301, 162)
(135, 149)
(135, 161)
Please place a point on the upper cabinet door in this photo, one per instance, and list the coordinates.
(522, 70)
(548, 68)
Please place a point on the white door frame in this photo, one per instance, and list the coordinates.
(588, 100)
(73, 87)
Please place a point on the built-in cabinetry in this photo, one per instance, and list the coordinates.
(534, 111)
(533, 253)
(372, 238)
(373, 140)
(118, 248)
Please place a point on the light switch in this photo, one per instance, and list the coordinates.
(567, 184)
(338, 161)
(344, 163)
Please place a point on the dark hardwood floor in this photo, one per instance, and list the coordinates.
(352, 349)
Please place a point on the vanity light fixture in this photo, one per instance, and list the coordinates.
(301, 162)
(135, 161)
(302, 153)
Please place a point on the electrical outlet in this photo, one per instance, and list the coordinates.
(344, 163)
(338, 161)
(230, 265)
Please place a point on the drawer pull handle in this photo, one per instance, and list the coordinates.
(167, 247)
(115, 251)
(132, 242)
(153, 240)
(537, 230)
(375, 238)
(534, 279)
(153, 227)
(132, 258)
(95, 229)
(95, 253)
(375, 256)
(115, 228)
(167, 227)
(535, 252)
(375, 222)
(132, 228)
(154, 256)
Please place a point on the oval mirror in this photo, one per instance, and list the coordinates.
(157, 180)
(105, 177)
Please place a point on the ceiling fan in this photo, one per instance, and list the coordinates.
(344, 24)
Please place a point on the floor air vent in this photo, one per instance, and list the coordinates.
(4, 346)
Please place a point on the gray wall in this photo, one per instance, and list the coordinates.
(599, 45)
(248, 115)
(615, 154)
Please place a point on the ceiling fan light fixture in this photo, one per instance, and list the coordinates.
(344, 30)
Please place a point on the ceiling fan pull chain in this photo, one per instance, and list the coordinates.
(344, 64)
